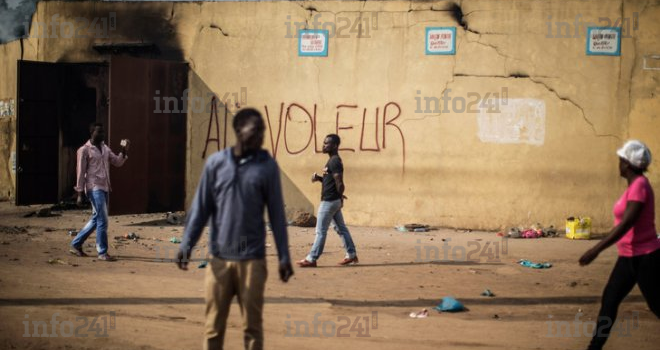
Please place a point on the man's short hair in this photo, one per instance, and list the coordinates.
(335, 138)
(93, 125)
(243, 116)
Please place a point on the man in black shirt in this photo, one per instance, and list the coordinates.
(332, 200)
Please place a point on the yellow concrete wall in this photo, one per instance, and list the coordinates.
(436, 168)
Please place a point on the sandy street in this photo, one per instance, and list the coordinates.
(140, 302)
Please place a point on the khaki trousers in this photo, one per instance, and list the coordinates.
(247, 280)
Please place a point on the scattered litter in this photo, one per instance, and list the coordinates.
(424, 313)
(132, 236)
(487, 293)
(528, 263)
(573, 284)
(531, 233)
(578, 228)
(72, 233)
(413, 228)
(202, 264)
(550, 232)
(268, 245)
(536, 231)
(173, 218)
(449, 304)
(496, 316)
(175, 240)
(57, 261)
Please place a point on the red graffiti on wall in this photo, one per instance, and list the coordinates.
(214, 117)
(283, 125)
(391, 108)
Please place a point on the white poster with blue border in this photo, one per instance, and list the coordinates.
(605, 41)
(440, 40)
(313, 42)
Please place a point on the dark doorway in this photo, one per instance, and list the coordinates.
(58, 101)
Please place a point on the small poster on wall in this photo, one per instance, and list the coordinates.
(313, 42)
(440, 40)
(604, 41)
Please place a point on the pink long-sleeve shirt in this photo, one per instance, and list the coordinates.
(93, 167)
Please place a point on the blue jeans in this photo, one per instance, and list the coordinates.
(331, 211)
(98, 222)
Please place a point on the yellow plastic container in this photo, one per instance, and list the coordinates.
(578, 228)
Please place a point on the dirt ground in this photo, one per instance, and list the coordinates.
(140, 302)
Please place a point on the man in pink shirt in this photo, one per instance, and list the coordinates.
(93, 178)
(637, 241)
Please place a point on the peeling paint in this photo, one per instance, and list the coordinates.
(519, 120)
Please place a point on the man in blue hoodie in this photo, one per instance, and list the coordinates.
(236, 184)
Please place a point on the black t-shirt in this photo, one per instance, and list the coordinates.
(329, 190)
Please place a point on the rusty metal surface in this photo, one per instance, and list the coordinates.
(153, 178)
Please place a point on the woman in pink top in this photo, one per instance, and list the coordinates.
(636, 239)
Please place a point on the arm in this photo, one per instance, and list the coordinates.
(203, 205)
(337, 169)
(277, 218)
(81, 172)
(118, 160)
(339, 183)
(630, 216)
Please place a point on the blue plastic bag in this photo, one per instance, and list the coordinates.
(449, 304)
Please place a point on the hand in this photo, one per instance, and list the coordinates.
(79, 201)
(125, 144)
(286, 271)
(182, 260)
(588, 257)
(316, 177)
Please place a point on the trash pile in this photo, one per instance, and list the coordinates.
(130, 236)
(536, 231)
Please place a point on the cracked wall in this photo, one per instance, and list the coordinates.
(406, 162)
